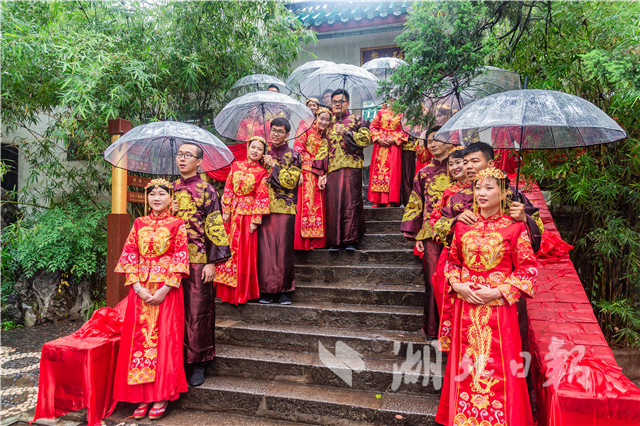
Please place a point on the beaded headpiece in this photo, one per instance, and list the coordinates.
(491, 172)
(456, 148)
(154, 183)
(503, 182)
(322, 110)
(314, 100)
(256, 138)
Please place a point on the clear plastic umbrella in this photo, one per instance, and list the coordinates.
(151, 148)
(383, 67)
(300, 73)
(490, 81)
(532, 119)
(256, 83)
(251, 115)
(360, 83)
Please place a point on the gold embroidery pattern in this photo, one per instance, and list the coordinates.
(462, 420)
(142, 365)
(186, 205)
(413, 208)
(214, 228)
(195, 256)
(243, 183)
(280, 205)
(479, 349)
(482, 251)
(156, 240)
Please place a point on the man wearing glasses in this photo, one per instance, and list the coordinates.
(339, 163)
(276, 234)
(196, 202)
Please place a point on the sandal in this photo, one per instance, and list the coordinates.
(141, 412)
(157, 413)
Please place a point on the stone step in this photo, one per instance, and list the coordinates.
(309, 403)
(360, 294)
(407, 319)
(383, 213)
(338, 368)
(177, 415)
(358, 257)
(306, 338)
(370, 274)
(383, 226)
(385, 241)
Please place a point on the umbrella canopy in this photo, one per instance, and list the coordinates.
(151, 148)
(383, 67)
(360, 83)
(257, 82)
(547, 119)
(300, 73)
(251, 115)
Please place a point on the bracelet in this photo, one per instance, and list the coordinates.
(139, 288)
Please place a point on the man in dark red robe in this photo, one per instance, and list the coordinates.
(339, 162)
(277, 232)
(428, 186)
(196, 202)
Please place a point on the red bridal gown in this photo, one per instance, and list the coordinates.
(310, 222)
(245, 200)
(484, 384)
(386, 161)
(150, 366)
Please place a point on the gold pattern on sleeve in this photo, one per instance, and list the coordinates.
(289, 178)
(362, 137)
(538, 220)
(195, 256)
(413, 208)
(214, 228)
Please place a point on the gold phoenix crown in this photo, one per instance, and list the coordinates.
(491, 172)
(314, 100)
(257, 138)
(322, 110)
(159, 182)
(456, 148)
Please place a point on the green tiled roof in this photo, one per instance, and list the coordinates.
(315, 13)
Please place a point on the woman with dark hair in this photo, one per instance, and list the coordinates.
(490, 266)
(245, 200)
(155, 258)
(310, 217)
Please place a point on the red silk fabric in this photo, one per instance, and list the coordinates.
(561, 326)
(77, 371)
(240, 152)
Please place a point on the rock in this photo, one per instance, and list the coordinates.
(11, 309)
(30, 318)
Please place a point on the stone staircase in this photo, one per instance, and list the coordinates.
(353, 318)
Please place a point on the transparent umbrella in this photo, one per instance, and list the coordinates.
(360, 83)
(151, 148)
(383, 67)
(255, 83)
(532, 119)
(251, 115)
(299, 74)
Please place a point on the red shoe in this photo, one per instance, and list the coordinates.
(157, 413)
(141, 412)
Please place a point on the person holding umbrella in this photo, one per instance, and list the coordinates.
(340, 162)
(245, 201)
(196, 202)
(276, 234)
(154, 259)
(428, 187)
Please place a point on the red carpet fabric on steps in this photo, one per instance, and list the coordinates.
(577, 379)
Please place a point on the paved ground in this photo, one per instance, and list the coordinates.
(20, 360)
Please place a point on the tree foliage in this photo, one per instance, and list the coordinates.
(589, 49)
(69, 67)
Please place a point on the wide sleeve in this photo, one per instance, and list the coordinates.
(453, 264)
(300, 145)
(217, 241)
(321, 160)
(375, 127)
(179, 266)
(525, 269)
(423, 154)
(412, 218)
(286, 174)
(359, 138)
(227, 196)
(130, 257)
(261, 200)
(436, 214)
